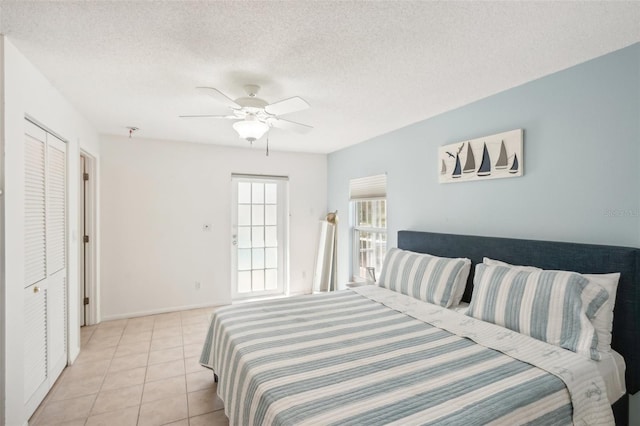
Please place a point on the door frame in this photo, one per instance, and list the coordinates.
(87, 253)
(284, 182)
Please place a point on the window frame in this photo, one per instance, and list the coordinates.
(356, 230)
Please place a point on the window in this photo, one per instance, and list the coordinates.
(369, 221)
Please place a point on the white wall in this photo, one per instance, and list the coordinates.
(156, 196)
(27, 92)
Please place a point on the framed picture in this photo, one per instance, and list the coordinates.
(489, 157)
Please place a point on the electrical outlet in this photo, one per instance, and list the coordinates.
(197, 285)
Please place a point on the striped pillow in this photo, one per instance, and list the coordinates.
(552, 306)
(603, 321)
(429, 278)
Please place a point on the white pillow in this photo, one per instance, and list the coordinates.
(429, 278)
(603, 321)
(492, 262)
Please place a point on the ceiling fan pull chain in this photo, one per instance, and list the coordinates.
(267, 146)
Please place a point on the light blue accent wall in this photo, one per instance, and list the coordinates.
(581, 178)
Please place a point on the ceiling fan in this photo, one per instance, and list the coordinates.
(254, 116)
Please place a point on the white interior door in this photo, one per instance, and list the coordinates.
(259, 236)
(45, 250)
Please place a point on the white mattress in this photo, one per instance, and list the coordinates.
(611, 366)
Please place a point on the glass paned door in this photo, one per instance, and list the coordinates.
(258, 236)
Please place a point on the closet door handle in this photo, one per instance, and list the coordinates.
(36, 289)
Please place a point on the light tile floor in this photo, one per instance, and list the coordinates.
(140, 371)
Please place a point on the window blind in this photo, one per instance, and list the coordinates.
(368, 188)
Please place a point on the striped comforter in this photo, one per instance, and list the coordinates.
(372, 356)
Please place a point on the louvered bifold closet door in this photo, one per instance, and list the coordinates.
(36, 368)
(56, 254)
(45, 303)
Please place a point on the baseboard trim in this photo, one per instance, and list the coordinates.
(156, 311)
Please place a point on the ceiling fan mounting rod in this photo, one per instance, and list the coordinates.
(251, 90)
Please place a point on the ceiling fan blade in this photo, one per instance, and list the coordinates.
(220, 97)
(283, 124)
(287, 106)
(228, 117)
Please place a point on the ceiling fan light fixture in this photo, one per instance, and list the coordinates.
(250, 129)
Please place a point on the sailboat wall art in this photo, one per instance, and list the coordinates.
(489, 157)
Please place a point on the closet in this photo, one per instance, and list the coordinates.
(45, 263)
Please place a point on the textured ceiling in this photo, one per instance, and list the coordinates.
(366, 68)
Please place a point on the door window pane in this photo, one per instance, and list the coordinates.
(244, 281)
(271, 258)
(271, 193)
(271, 279)
(257, 215)
(244, 215)
(257, 236)
(244, 237)
(244, 192)
(257, 278)
(244, 259)
(257, 259)
(257, 193)
(271, 236)
(270, 215)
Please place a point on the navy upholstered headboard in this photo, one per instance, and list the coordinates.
(584, 258)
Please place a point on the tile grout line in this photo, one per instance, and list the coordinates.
(184, 369)
(146, 370)
(186, 384)
(104, 377)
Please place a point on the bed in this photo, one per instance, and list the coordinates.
(374, 356)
